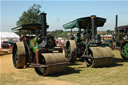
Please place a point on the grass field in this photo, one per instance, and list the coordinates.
(77, 74)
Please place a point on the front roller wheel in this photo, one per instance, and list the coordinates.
(99, 57)
(18, 55)
(41, 70)
(89, 60)
(53, 63)
(124, 50)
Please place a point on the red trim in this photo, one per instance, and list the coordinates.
(10, 47)
(1, 50)
(37, 62)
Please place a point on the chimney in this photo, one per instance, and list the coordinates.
(43, 25)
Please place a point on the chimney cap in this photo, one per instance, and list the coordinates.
(43, 13)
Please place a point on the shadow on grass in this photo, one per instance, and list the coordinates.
(2, 54)
(67, 71)
(116, 62)
(74, 64)
(120, 60)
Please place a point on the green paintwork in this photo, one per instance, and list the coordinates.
(84, 22)
(87, 45)
(126, 49)
(34, 44)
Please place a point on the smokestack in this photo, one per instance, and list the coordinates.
(43, 25)
(116, 25)
(94, 30)
(43, 30)
(116, 22)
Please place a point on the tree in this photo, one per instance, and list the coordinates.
(109, 31)
(31, 16)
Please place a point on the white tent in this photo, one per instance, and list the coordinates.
(7, 36)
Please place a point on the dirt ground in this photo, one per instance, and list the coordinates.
(6, 64)
(7, 68)
(75, 74)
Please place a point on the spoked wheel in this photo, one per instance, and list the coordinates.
(15, 57)
(18, 55)
(70, 50)
(124, 50)
(41, 70)
(89, 60)
(99, 57)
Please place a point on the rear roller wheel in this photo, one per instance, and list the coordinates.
(124, 50)
(70, 50)
(18, 55)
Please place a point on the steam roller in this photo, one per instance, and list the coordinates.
(120, 39)
(38, 50)
(86, 44)
(124, 49)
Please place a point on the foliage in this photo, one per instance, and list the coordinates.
(109, 31)
(31, 16)
(61, 33)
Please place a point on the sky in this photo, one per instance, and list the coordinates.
(60, 12)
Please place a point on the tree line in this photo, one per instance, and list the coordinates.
(32, 16)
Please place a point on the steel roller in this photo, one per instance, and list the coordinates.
(54, 62)
(102, 56)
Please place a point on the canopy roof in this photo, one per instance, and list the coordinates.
(125, 27)
(84, 22)
(28, 27)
